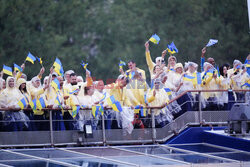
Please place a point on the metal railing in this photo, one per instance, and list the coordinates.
(104, 136)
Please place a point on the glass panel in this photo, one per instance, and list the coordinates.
(31, 163)
(11, 156)
(194, 158)
(200, 148)
(145, 160)
(91, 162)
(103, 152)
(153, 150)
(235, 156)
(50, 153)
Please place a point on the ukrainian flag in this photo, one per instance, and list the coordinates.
(55, 84)
(122, 63)
(143, 112)
(84, 65)
(137, 109)
(58, 102)
(33, 104)
(172, 48)
(39, 60)
(155, 39)
(75, 110)
(57, 63)
(22, 103)
(130, 75)
(7, 70)
(30, 58)
(117, 106)
(58, 67)
(95, 110)
(169, 92)
(41, 104)
(17, 68)
(111, 100)
(189, 78)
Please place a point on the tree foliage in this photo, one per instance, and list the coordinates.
(102, 32)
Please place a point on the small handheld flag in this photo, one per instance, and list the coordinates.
(58, 67)
(122, 63)
(155, 39)
(75, 110)
(211, 42)
(17, 68)
(40, 60)
(172, 48)
(22, 103)
(84, 65)
(7, 70)
(30, 58)
(40, 103)
(55, 84)
(169, 92)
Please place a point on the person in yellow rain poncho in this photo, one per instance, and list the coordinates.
(37, 91)
(157, 97)
(133, 93)
(72, 101)
(9, 98)
(132, 67)
(193, 84)
(25, 95)
(55, 100)
(210, 81)
(226, 99)
(88, 100)
(2, 82)
(184, 101)
(158, 61)
(171, 68)
(240, 80)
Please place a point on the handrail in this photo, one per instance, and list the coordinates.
(147, 107)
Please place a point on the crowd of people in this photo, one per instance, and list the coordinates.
(168, 79)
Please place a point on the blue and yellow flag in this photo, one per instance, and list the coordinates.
(22, 103)
(57, 100)
(155, 39)
(95, 110)
(30, 58)
(172, 48)
(55, 84)
(117, 106)
(169, 92)
(111, 100)
(33, 104)
(17, 68)
(40, 104)
(130, 74)
(58, 67)
(140, 110)
(39, 60)
(7, 70)
(246, 84)
(122, 63)
(84, 65)
(75, 110)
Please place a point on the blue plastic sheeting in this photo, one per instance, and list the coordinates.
(199, 135)
(226, 141)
